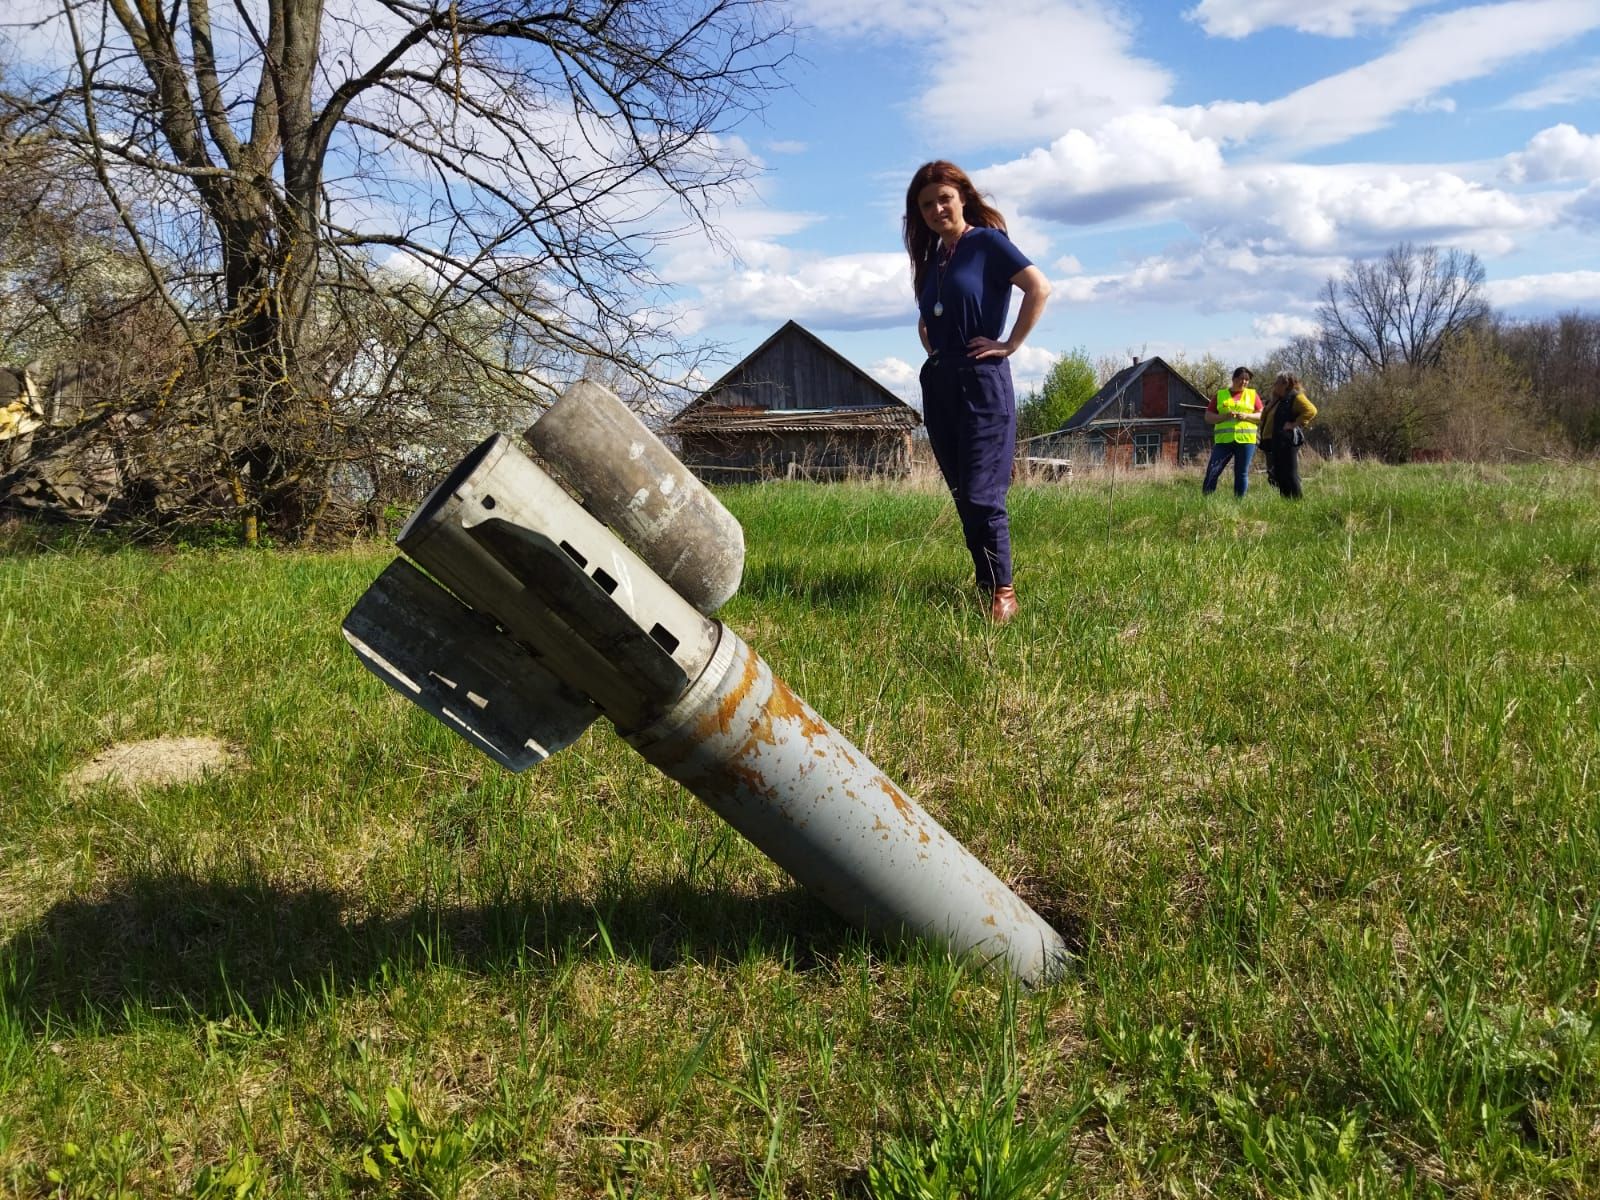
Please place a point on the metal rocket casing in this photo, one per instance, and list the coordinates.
(546, 620)
(800, 791)
(638, 487)
(513, 545)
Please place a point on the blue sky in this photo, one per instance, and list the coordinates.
(1187, 175)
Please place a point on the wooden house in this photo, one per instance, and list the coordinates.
(1145, 414)
(795, 407)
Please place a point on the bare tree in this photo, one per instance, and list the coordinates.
(1206, 372)
(61, 251)
(518, 160)
(1393, 415)
(1313, 359)
(1401, 309)
(1560, 358)
(1492, 414)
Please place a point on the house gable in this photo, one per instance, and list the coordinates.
(1147, 409)
(795, 406)
(792, 371)
(1147, 390)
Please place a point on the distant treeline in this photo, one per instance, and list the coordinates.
(1408, 361)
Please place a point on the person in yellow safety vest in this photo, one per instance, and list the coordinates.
(1235, 416)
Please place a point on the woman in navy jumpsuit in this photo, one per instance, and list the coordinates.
(963, 268)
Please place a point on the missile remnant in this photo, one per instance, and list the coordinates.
(539, 613)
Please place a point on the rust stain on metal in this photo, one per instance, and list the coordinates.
(720, 719)
(897, 798)
(785, 703)
(760, 730)
(768, 712)
(751, 777)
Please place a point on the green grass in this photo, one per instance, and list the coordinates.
(1313, 790)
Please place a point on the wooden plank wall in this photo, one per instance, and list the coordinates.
(795, 373)
(734, 458)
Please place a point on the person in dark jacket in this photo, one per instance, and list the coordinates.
(963, 268)
(1283, 424)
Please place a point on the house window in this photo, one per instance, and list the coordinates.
(1146, 449)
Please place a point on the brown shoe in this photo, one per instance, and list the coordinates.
(1004, 605)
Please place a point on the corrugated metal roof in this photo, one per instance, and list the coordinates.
(712, 419)
(1124, 423)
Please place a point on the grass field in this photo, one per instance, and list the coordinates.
(1313, 791)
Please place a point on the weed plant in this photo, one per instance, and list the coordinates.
(1312, 790)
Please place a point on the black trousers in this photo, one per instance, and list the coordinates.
(1283, 466)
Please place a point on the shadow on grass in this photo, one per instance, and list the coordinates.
(188, 949)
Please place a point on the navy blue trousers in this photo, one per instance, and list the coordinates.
(970, 411)
(1240, 453)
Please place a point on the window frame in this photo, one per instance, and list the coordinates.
(1149, 443)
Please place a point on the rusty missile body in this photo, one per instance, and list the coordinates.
(547, 620)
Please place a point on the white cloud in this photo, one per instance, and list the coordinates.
(1355, 208)
(1554, 289)
(1027, 72)
(1441, 51)
(1564, 87)
(750, 237)
(1585, 208)
(403, 265)
(376, 185)
(1147, 165)
(1210, 276)
(899, 376)
(846, 291)
(1560, 152)
(1264, 233)
(1029, 366)
(1280, 327)
(1131, 164)
(1331, 18)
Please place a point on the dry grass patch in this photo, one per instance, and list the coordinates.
(154, 763)
(29, 887)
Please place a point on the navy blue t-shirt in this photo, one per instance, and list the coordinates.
(974, 289)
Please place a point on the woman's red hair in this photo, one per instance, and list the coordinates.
(922, 242)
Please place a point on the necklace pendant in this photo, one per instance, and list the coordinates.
(938, 308)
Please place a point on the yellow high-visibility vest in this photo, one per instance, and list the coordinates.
(1236, 431)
